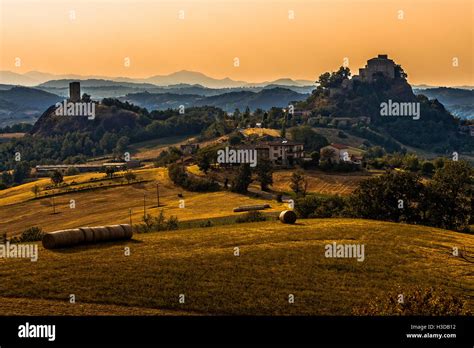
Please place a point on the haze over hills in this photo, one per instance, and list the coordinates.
(34, 78)
(263, 99)
(460, 102)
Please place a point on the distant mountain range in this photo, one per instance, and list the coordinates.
(460, 102)
(26, 104)
(264, 99)
(34, 78)
(23, 104)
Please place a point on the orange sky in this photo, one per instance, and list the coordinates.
(268, 44)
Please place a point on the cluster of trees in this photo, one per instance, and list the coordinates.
(377, 158)
(245, 175)
(446, 201)
(104, 135)
(177, 173)
(17, 175)
(158, 223)
(17, 128)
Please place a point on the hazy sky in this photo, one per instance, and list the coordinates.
(269, 44)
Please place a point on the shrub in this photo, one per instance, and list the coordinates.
(178, 175)
(305, 207)
(159, 223)
(251, 216)
(208, 223)
(427, 168)
(330, 207)
(315, 207)
(72, 171)
(417, 301)
(32, 234)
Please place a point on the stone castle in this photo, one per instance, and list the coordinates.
(381, 64)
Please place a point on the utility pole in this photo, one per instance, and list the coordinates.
(157, 194)
(54, 205)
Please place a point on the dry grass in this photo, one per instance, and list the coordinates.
(8, 136)
(275, 260)
(106, 206)
(38, 307)
(331, 135)
(320, 182)
(149, 150)
(261, 132)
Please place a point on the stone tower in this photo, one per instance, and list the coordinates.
(74, 92)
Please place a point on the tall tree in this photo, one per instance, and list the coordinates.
(57, 177)
(299, 183)
(242, 180)
(264, 173)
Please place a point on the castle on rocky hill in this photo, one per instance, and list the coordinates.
(381, 64)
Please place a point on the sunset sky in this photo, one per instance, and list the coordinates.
(268, 44)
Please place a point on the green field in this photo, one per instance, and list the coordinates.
(275, 260)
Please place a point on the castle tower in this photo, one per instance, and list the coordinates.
(74, 92)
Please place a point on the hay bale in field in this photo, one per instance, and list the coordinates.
(251, 207)
(101, 233)
(86, 235)
(288, 217)
(120, 231)
(63, 238)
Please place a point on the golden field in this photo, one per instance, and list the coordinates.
(101, 205)
(275, 260)
(320, 182)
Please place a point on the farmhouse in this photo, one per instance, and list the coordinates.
(340, 152)
(281, 152)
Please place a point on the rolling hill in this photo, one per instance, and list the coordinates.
(23, 104)
(264, 99)
(275, 260)
(460, 102)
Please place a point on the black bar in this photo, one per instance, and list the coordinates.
(241, 330)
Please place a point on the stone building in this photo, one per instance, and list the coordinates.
(381, 64)
(74, 92)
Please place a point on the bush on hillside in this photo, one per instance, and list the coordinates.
(178, 175)
(33, 234)
(417, 301)
(251, 216)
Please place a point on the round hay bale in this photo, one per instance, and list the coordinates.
(63, 238)
(88, 234)
(119, 232)
(128, 231)
(101, 233)
(288, 217)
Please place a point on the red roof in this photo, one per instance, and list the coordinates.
(339, 146)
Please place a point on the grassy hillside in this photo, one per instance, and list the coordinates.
(102, 205)
(275, 260)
